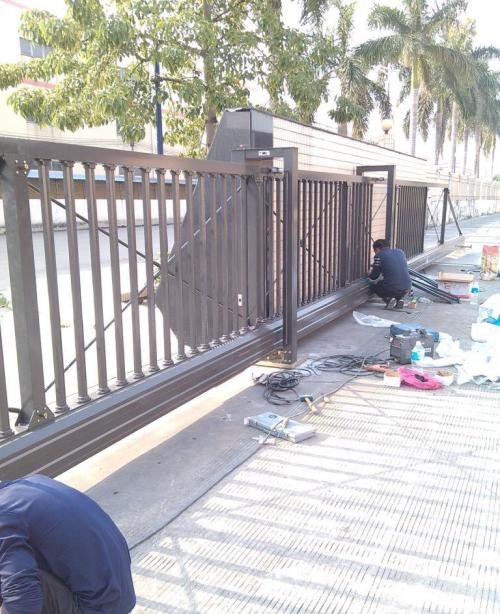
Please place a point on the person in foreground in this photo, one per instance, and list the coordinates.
(60, 553)
(391, 267)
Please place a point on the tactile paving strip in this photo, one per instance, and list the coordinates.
(392, 507)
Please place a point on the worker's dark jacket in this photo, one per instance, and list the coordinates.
(392, 265)
(44, 524)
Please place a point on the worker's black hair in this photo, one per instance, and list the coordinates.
(380, 244)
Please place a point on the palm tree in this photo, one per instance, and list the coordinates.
(358, 94)
(414, 44)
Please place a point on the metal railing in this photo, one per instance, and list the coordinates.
(410, 218)
(246, 257)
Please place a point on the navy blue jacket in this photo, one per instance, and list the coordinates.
(391, 263)
(45, 524)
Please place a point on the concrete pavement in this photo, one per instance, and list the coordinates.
(391, 507)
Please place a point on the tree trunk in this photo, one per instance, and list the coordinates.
(478, 143)
(342, 129)
(493, 150)
(439, 129)
(454, 133)
(208, 76)
(413, 112)
(466, 151)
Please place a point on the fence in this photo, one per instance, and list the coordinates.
(258, 255)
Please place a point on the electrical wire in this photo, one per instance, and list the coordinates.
(280, 385)
(347, 364)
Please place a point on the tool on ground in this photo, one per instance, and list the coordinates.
(430, 286)
(281, 426)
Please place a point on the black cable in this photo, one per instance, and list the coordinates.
(279, 383)
(346, 364)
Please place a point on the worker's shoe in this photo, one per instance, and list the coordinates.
(390, 303)
(399, 304)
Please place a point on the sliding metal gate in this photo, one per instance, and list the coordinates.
(169, 276)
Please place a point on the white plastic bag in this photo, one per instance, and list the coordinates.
(369, 320)
(490, 309)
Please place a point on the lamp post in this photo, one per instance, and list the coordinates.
(387, 125)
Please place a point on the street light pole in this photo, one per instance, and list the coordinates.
(159, 122)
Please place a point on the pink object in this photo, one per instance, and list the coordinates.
(418, 379)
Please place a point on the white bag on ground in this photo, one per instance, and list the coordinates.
(490, 309)
(368, 320)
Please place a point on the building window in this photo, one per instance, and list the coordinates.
(33, 50)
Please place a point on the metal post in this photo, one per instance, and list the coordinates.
(5, 430)
(446, 195)
(23, 285)
(389, 212)
(290, 253)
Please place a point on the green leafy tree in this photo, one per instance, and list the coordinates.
(415, 43)
(102, 58)
(297, 64)
(358, 94)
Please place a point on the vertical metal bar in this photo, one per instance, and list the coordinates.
(290, 160)
(132, 268)
(389, 205)
(304, 294)
(446, 196)
(202, 220)
(52, 287)
(270, 244)
(214, 256)
(164, 287)
(331, 237)
(321, 240)
(423, 217)
(121, 378)
(369, 226)
(260, 248)
(76, 292)
(150, 284)
(95, 263)
(343, 238)
(243, 239)
(5, 430)
(326, 262)
(193, 324)
(279, 246)
(235, 253)
(23, 284)
(181, 346)
(315, 240)
(226, 263)
(310, 267)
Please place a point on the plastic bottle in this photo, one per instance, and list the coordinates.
(474, 294)
(417, 354)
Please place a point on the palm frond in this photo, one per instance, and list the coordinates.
(388, 18)
(385, 49)
(445, 15)
(461, 63)
(486, 53)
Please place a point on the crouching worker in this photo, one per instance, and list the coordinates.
(60, 553)
(391, 270)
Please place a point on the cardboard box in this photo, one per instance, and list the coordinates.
(459, 284)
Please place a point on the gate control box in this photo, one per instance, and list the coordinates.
(402, 345)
